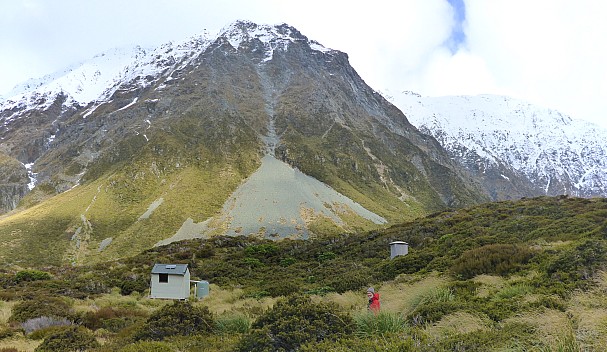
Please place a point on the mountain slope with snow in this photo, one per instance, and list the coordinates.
(162, 149)
(501, 137)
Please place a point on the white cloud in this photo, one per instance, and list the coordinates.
(462, 73)
(549, 52)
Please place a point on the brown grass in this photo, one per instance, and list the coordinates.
(221, 301)
(458, 323)
(350, 301)
(22, 344)
(588, 311)
(6, 311)
(489, 284)
(402, 294)
(551, 325)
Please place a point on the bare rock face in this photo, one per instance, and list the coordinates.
(13, 182)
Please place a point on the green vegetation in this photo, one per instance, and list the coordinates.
(41, 306)
(293, 322)
(521, 275)
(70, 339)
(180, 318)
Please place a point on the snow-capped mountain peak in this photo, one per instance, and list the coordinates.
(95, 80)
(272, 37)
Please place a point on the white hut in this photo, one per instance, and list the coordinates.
(170, 281)
(398, 248)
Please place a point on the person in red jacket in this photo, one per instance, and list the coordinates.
(373, 305)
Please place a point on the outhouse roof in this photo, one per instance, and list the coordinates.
(176, 269)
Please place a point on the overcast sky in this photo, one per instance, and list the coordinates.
(550, 52)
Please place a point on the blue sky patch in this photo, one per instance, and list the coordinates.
(457, 35)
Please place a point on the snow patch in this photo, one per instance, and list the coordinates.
(31, 175)
(129, 104)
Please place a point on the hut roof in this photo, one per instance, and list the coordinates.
(176, 269)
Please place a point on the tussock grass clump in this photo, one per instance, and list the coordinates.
(232, 324)
(433, 305)
(565, 343)
(459, 323)
(368, 324)
(513, 290)
(432, 296)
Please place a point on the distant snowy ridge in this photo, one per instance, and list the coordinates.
(84, 81)
(558, 154)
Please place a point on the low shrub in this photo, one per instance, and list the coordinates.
(32, 275)
(499, 309)
(148, 346)
(406, 264)
(325, 256)
(287, 261)
(43, 333)
(205, 251)
(129, 285)
(262, 250)
(432, 312)
(550, 302)
(40, 306)
(293, 321)
(179, 318)
(385, 343)
(573, 267)
(282, 288)
(74, 338)
(252, 263)
(320, 291)
(6, 333)
(351, 281)
(509, 337)
(500, 259)
(110, 318)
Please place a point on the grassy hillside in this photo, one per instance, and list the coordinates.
(183, 169)
(524, 275)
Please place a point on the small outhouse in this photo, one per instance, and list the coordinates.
(398, 248)
(170, 281)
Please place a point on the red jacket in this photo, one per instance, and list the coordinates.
(374, 303)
